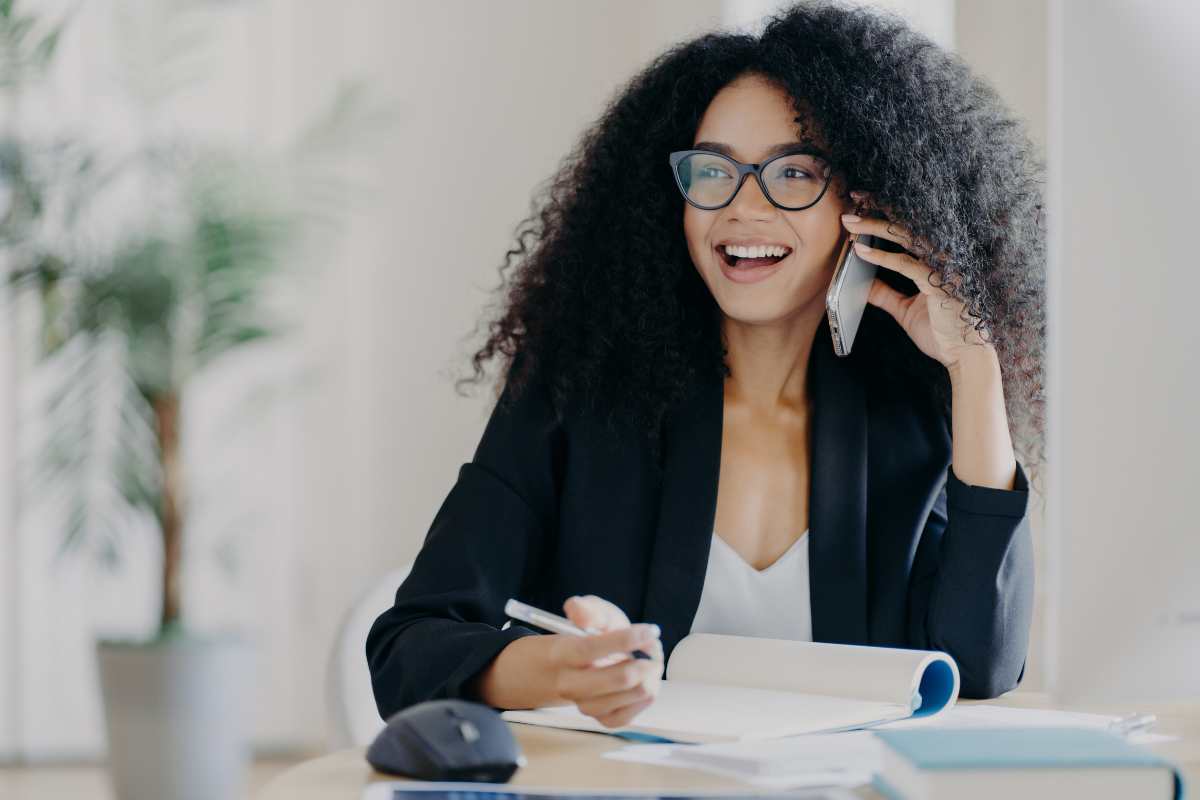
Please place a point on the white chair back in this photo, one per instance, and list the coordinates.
(353, 719)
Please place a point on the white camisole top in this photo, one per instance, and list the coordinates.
(738, 599)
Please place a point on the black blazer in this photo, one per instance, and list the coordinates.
(901, 552)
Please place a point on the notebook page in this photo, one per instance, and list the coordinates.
(691, 712)
(874, 674)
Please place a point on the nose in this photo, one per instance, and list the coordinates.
(750, 202)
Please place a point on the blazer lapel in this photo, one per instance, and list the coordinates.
(691, 466)
(837, 509)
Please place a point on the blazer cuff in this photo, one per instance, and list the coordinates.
(986, 499)
(484, 648)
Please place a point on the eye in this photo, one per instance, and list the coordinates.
(801, 167)
(711, 171)
(794, 172)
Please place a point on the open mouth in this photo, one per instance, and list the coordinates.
(743, 263)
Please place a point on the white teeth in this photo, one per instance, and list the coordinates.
(758, 251)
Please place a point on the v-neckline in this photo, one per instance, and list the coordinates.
(786, 553)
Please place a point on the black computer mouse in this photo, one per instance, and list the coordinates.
(447, 740)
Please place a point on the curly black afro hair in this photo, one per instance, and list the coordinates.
(605, 302)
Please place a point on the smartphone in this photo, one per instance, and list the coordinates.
(846, 299)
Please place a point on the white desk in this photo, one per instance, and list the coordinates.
(573, 758)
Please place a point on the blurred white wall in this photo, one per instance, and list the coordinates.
(1006, 44)
(1125, 382)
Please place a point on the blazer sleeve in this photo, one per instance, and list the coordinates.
(482, 548)
(971, 586)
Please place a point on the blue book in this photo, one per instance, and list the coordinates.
(1027, 763)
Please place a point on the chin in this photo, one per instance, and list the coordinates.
(757, 311)
(764, 304)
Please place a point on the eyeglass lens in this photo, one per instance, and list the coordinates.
(793, 180)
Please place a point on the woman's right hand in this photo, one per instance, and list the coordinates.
(598, 672)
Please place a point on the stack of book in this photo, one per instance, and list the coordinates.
(1027, 763)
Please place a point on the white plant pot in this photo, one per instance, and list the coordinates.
(178, 717)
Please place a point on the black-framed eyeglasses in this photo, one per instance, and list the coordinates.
(791, 181)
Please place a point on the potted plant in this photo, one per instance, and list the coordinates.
(125, 327)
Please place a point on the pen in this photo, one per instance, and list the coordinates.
(550, 622)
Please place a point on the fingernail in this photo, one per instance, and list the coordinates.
(862, 248)
(851, 218)
(652, 629)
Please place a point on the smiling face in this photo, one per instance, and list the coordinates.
(752, 116)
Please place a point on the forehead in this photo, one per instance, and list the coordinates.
(753, 117)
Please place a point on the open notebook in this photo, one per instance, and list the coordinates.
(732, 688)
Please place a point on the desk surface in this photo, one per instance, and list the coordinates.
(572, 758)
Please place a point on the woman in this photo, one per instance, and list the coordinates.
(676, 441)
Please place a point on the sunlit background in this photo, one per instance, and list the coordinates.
(362, 164)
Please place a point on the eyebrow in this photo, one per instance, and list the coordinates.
(774, 150)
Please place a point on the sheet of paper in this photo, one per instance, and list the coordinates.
(797, 780)
(992, 716)
(842, 759)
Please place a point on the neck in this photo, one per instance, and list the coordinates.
(769, 362)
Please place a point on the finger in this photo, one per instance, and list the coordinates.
(612, 658)
(624, 716)
(605, 704)
(594, 613)
(883, 228)
(582, 614)
(889, 299)
(610, 614)
(581, 651)
(903, 263)
(595, 682)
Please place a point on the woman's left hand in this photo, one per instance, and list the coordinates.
(932, 318)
